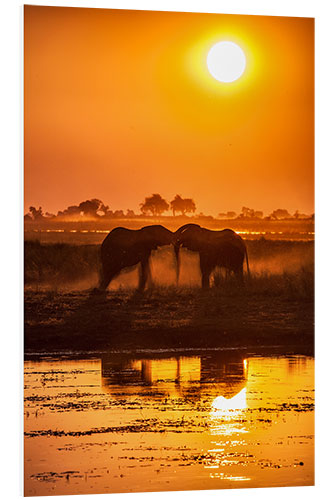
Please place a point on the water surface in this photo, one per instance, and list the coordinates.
(156, 422)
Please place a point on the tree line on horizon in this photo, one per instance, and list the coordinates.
(154, 206)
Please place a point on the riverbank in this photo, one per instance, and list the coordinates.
(265, 312)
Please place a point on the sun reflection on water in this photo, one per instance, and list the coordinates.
(226, 414)
(224, 405)
(221, 475)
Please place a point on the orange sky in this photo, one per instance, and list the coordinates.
(119, 105)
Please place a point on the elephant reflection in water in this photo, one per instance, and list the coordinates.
(216, 248)
(227, 371)
(220, 374)
(125, 248)
(125, 369)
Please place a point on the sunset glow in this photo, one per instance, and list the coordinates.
(120, 104)
(169, 253)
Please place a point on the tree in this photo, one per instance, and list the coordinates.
(36, 214)
(154, 204)
(118, 213)
(91, 207)
(103, 209)
(259, 214)
(280, 213)
(183, 205)
(71, 211)
(227, 215)
(189, 206)
(247, 212)
(251, 213)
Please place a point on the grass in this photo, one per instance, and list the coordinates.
(58, 263)
(275, 265)
(293, 285)
(274, 306)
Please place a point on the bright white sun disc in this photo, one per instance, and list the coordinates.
(226, 61)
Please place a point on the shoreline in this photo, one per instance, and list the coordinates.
(165, 320)
(270, 351)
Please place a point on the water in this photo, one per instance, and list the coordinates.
(156, 422)
(96, 236)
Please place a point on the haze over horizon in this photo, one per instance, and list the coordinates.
(119, 105)
(166, 213)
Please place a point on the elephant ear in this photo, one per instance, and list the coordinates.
(193, 238)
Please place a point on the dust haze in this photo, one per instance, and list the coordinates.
(63, 267)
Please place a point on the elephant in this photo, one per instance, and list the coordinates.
(216, 248)
(177, 244)
(123, 248)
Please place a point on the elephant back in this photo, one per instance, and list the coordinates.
(233, 238)
(119, 237)
(156, 235)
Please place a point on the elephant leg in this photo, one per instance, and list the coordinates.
(205, 275)
(205, 279)
(149, 278)
(144, 273)
(107, 277)
(103, 283)
(205, 269)
(177, 262)
(239, 274)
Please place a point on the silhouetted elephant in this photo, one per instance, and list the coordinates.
(177, 244)
(124, 248)
(216, 248)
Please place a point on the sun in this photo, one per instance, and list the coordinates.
(226, 61)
